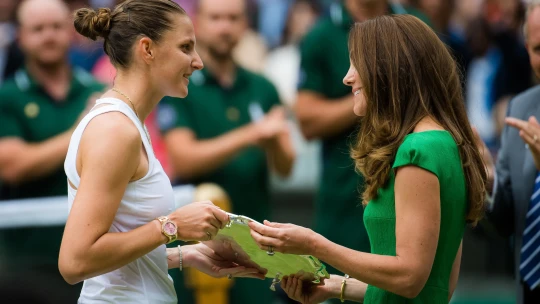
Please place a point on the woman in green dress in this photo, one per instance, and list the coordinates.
(424, 176)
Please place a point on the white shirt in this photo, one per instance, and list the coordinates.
(146, 279)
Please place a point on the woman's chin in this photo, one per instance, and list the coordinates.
(182, 93)
(359, 111)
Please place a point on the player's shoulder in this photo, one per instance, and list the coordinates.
(114, 126)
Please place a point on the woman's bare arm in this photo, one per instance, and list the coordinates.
(454, 275)
(418, 217)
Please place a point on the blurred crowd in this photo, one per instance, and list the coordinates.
(486, 38)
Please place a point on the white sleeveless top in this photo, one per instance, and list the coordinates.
(146, 279)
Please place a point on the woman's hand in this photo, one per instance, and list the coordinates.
(213, 264)
(307, 292)
(285, 238)
(199, 221)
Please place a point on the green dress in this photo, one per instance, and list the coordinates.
(437, 152)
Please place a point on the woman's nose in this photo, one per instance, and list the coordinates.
(348, 80)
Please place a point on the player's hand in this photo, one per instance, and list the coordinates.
(199, 221)
(217, 264)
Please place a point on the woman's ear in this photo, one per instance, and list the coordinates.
(145, 48)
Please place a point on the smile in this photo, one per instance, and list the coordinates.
(357, 92)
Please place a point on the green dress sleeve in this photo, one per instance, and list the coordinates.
(421, 151)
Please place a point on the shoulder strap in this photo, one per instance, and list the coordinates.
(109, 105)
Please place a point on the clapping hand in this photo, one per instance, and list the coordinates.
(530, 133)
(273, 124)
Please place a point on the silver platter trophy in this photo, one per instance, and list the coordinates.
(237, 239)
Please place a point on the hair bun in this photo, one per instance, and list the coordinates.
(93, 24)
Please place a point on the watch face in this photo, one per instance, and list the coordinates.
(169, 228)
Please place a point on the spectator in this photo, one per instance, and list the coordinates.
(273, 19)
(499, 69)
(11, 57)
(514, 209)
(282, 67)
(283, 63)
(38, 108)
(324, 111)
(229, 130)
(251, 51)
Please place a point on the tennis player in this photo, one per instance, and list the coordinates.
(121, 201)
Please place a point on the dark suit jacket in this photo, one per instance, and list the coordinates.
(516, 173)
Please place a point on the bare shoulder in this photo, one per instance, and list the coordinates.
(110, 134)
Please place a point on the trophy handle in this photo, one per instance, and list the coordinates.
(275, 281)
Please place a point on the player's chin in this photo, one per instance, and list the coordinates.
(181, 92)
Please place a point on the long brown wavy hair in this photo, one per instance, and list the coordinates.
(408, 74)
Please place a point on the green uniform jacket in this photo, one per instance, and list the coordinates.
(29, 113)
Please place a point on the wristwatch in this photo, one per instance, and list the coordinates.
(168, 228)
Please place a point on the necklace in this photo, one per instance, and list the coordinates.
(137, 114)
